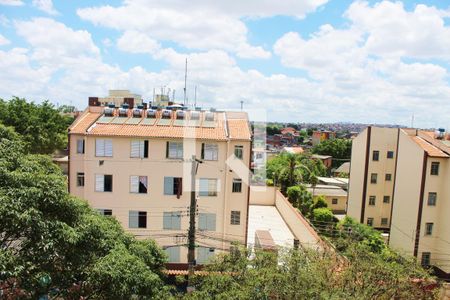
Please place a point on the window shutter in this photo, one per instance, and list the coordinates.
(141, 149)
(134, 148)
(167, 149)
(203, 151)
(180, 187)
(168, 185)
(167, 220)
(108, 148)
(202, 222)
(203, 187)
(99, 147)
(133, 219)
(211, 222)
(99, 182)
(80, 146)
(176, 220)
(134, 184)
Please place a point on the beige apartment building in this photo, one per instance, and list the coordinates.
(419, 224)
(135, 164)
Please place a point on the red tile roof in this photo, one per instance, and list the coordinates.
(430, 149)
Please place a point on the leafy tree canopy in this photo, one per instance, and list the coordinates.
(53, 243)
(43, 128)
(337, 148)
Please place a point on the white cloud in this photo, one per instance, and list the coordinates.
(203, 25)
(4, 41)
(54, 43)
(12, 2)
(137, 42)
(46, 6)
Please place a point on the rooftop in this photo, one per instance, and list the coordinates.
(327, 190)
(152, 123)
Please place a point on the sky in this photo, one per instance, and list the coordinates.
(376, 62)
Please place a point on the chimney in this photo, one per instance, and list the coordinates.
(93, 101)
(129, 101)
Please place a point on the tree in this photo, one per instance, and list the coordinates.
(338, 148)
(53, 243)
(42, 127)
(320, 202)
(323, 219)
(309, 274)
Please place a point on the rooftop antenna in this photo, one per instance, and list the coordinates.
(173, 95)
(195, 97)
(242, 105)
(185, 79)
(412, 121)
(153, 95)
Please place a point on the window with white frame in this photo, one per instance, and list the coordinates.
(139, 149)
(80, 146)
(174, 150)
(235, 217)
(103, 148)
(210, 151)
(103, 183)
(138, 184)
(207, 221)
(239, 151)
(207, 187)
(237, 185)
(172, 220)
(137, 219)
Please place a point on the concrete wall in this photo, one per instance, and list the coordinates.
(262, 195)
(155, 203)
(356, 179)
(341, 205)
(301, 229)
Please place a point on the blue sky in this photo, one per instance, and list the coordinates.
(300, 61)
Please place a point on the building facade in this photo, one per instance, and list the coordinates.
(136, 165)
(420, 190)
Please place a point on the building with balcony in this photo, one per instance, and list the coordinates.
(135, 164)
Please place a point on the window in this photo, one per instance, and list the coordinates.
(370, 221)
(334, 201)
(207, 221)
(373, 178)
(388, 177)
(239, 151)
(210, 151)
(80, 146)
(204, 254)
(384, 221)
(173, 186)
(390, 154)
(80, 179)
(138, 184)
(103, 183)
(207, 187)
(372, 200)
(376, 155)
(237, 185)
(137, 219)
(174, 150)
(172, 220)
(435, 168)
(426, 256)
(386, 199)
(139, 149)
(173, 254)
(429, 228)
(105, 212)
(432, 197)
(103, 148)
(235, 217)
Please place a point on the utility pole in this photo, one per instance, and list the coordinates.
(192, 213)
(185, 80)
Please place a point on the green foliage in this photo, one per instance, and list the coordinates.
(322, 215)
(42, 127)
(269, 182)
(272, 129)
(288, 169)
(301, 199)
(47, 233)
(320, 202)
(350, 231)
(337, 148)
(310, 274)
